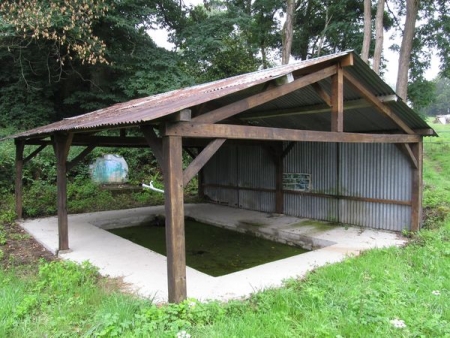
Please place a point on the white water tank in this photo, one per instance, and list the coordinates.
(109, 169)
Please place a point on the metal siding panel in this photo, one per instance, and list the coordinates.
(222, 196)
(256, 200)
(375, 215)
(222, 167)
(244, 166)
(306, 206)
(256, 168)
(378, 171)
(319, 160)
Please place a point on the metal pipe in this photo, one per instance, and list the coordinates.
(151, 187)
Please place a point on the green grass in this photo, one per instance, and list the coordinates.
(356, 298)
(436, 175)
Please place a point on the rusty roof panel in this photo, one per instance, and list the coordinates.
(229, 90)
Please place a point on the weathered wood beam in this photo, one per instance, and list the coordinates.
(183, 115)
(406, 150)
(70, 165)
(202, 130)
(314, 109)
(101, 141)
(62, 146)
(261, 98)
(313, 194)
(201, 160)
(175, 238)
(337, 101)
(322, 93)
(288, 149)
(20, 146)
(34, 153)
(383, 109)
(279, 169)
(154, 142)
(417, 187)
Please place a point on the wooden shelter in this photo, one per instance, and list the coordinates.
(332, 100)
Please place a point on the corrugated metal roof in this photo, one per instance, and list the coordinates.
(229, 90)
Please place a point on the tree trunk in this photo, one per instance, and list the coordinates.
(378, 37)
(412, 8)
(288, 32)
(367, 30)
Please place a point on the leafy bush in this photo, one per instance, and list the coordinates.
(172, 320)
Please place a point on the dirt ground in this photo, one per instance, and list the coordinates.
(22, 249)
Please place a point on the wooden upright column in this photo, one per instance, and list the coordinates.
(175, 239)
(62, 146)
(337, 101)
(417, 187)
(20, 145)
(279, 193)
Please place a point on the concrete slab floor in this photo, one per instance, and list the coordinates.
(146, 272)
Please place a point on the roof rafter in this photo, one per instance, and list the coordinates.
(380, 107)
(261, 98)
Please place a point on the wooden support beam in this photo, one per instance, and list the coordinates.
(201, 130)
(322, 93)
(154, 142)
(406, 150)
(417, 187)
(279, 169)
(261, 98)
(20, 145)
(314, 109)
(183, 115)
(201, 160)
(70, 165)
(383, 109)
(337, 101)
(62, 146)
(34, 153)
(200, 180)
(288, 149)
(175, 238)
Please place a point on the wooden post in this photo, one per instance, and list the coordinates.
(279, 195)
(175, 239)
(20, 145)
(62, 146)
(337, 101)
(417, 186)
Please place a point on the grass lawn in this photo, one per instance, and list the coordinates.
(394, 292)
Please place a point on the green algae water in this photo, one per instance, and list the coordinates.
(212, 250)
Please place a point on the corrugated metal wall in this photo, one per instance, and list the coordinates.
(373, 172)
(378, 171)
(255, 171)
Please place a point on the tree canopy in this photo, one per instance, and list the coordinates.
(61, 59)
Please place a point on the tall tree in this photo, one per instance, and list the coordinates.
(412, 9)
(367, 30)
(288, 32)
(378, 36)
(45, 76)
